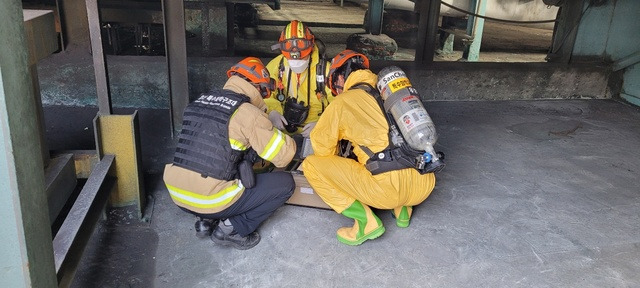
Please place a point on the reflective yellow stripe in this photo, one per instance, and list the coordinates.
(287, 31)
(201, 201)
(300, 32)
(237, 145)
(294, 30)
(274, 145)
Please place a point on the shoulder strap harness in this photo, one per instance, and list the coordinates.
(320, 82)
(397, 155)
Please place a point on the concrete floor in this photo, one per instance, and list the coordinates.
(535, 194)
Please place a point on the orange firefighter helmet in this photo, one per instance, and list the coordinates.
(296, 41)
(252, 70)
(351, 60)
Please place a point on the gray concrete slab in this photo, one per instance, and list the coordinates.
(535, 194)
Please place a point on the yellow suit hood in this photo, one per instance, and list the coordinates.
(354, 115)
(361, 76)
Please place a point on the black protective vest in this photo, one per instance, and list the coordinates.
(392, 157)
(203, 144)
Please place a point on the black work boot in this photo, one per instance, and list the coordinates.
(204, 227)
(227, 236)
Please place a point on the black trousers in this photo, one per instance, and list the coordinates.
(255, 205)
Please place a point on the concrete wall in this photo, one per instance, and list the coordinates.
(75, 25)
(608, 31)
(496, 82)
(140, 82)
(611, 31)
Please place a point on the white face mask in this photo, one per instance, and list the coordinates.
(298, 66)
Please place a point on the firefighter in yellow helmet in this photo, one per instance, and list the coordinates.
(223, 133)
(346, 185)
(301, 94)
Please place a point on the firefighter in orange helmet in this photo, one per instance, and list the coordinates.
(299, 71)
(347, 185)
(223, 133)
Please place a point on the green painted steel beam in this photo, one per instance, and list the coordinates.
(376, 8)
(26, 256)
(627, 61)
(475, 27)
(632, 99)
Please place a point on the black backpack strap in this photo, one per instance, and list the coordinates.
(376, 95)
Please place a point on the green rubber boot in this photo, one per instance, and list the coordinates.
(367, 225)
(403, 216)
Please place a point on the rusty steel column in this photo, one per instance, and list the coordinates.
(427, 30)
(99, 60)
(176, 51)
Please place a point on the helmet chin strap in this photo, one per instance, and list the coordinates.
(264, 92)
(336, 86)
(347, 70)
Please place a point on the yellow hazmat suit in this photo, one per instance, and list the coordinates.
(345, 184)
(298, 86)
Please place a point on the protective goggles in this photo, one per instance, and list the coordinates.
(295, 46)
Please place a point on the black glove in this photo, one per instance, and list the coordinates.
(251, 156)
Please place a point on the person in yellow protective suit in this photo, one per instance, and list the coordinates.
(300, 95)
(223, 133)
(345, 184)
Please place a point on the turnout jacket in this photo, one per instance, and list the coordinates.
(249, 127)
